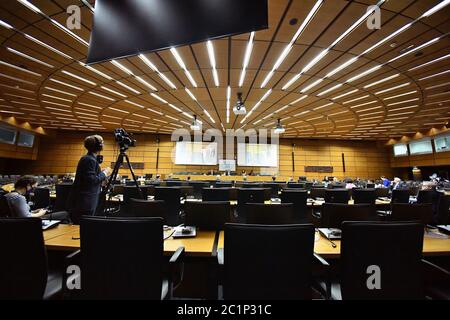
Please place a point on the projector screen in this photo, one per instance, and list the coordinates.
(125, 28)
(257, 155)
(196, 153)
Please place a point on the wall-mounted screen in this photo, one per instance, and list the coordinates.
(420, 147)
(196, 153)
(227, 165)
(8, 135)
(400, 150)
(25, 139)
(257, 155)
(442, 143)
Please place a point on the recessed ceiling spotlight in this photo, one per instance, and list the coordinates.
(393, 44)
(293, 21)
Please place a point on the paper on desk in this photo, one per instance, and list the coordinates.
(434, 233)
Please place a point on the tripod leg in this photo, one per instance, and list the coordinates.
(107, 202)
(134, 177)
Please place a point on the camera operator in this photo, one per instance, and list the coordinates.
(85, 191)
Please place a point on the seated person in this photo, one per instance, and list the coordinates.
(18, 204)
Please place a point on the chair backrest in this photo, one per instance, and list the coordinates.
(173, 183)
(260, 213)
(299, 200)
(62, 196)
(442, 212)
(337, 195)
(317, 193)
(223, 184)
(273, 188)
(252, 185)
(132, 192)
(146, 208)
(381, 260)
(422, 212)
(216, 194)
(171, 196)
(268, 262)
(121, 258)
(382, 192)
(308, 185)
(333, 214)
(370, 185)
(425, 196)
(296, 185)
(198, 187)
(364, 196)
(400, 196)
(5, 211)
(249, 195)
(207, 215)
(41, 198)
(23, 266)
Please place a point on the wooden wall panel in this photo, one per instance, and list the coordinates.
(366, 159)
(11, 151)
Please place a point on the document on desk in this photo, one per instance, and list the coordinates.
(435, 233)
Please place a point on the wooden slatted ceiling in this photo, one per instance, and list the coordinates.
(402, 95)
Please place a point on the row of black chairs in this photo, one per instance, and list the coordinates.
(257, 262)
(212, 215)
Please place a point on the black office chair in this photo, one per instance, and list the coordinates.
(442, 212)
(5, 211)
(299, 200)
(296, 185)
(267, 262)
(400, 196)
(272, 214)
(381, 260)
(364, 196)
(425, 196)
(422, 212)
(274, 188)
(216, 194)
(146, 208)
(124, 258)
(173, 183)
(317, 193)
(207, 215)
(248, 195)
(198, 188)
(171, 196)
(333, 214)
(223, 184)
(41, 198)
(132, 192)
(62, 195)
(337, 195)
(382, 192)
(23, 270)
(370, 185)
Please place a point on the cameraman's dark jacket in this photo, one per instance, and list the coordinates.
(86, 189)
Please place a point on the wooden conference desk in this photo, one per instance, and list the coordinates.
(310, 202)
(61, 238)
(323, 247)
(67, 237)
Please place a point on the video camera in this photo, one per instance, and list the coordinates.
(124, 139)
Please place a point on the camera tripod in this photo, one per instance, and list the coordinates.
(107, 189)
